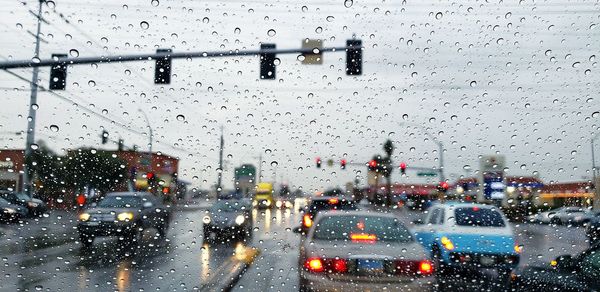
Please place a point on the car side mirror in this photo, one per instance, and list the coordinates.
(564, 262)
(147, 205)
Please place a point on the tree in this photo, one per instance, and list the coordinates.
(94, 168)
(45, 167)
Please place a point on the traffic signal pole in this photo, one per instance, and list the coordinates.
(27, 184)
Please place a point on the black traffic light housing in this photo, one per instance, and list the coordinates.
(58, 74)
(402, 168)
(162, 70)
(267, 62)
(318, 161)
(343, 163)
(443, 187)
(353, 57)
(120, 145)
(104, 137)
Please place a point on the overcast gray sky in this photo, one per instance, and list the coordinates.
(518, 78)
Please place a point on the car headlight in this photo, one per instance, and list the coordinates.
(206, 219)
(32, 204)
(125, 216)
(84, 216)
(10, 210)
(278, 204)
(239, 220)
(254, 203)
(268, 203)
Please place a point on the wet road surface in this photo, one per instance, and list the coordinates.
(43, 254)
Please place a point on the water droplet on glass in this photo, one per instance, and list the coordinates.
(319, 30)
(268, 151)
(348, 3)
(205, 19)
(154, 3)
(330, 18)
(92, 83)
(74, 53)
(548, 52)
(237, 30)
(271, 32)
(595, 114)
(54, 128)
(180, 117)
(144, 25)
(439, 15)
(274, 163)
(34, 146)
(300, 58)
(473, 83)
(304, 8)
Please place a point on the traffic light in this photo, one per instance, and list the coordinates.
(343, 163)
(373, 165)
(267, 62)
(403, 168)
(120, 145)
(104, 137)
(151, 178)
(162, 70)
(354, 57)
(318, 162)
(443, 187)
(58, 74)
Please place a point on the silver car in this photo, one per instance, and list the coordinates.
(362, 251)
(563, 215)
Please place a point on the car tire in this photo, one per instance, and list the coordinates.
(555, 221)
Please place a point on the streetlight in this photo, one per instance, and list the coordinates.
(437, 142)
(149, 128)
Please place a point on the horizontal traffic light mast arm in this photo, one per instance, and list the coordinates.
(157, 56)
(418, 168)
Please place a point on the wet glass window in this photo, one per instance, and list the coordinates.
(121, 202)
(358, 227)
(483, 217)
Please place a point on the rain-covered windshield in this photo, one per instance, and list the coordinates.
(121, 202)
(358, 228)
(483, 217)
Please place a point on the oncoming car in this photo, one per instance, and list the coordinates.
(321, 204)
(125, 215)
(361, 250)
(228, 219)
(462, 237)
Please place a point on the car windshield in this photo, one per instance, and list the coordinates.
(361, 228)
(480, 217)
(121, 202)
(400, 108)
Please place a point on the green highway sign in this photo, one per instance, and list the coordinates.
(426, 174)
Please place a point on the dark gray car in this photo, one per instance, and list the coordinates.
(125, 215)
(228, 219)
(10, 211)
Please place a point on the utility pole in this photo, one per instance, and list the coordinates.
(27, 185)
(259, 167)
(220, 173)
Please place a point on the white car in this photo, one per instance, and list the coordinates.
(563, 215)
(363, 251)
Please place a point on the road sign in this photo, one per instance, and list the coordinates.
(316, 58)
(426, 174)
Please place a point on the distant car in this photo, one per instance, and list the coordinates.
(320, 204)
(284, 203)
(228, 219)
(564, 215)
(11, 212)
(35, 207)
(565, 273)
(362, 251)
(126, 215)
(592, 230)
(464, 236)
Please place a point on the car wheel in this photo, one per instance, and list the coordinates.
(135, 237)
(86, 240)
(555, 221)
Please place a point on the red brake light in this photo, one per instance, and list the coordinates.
(334, 201)
(339, 265)
(314, 265)
(475, 208)
(307, 221)
(363, 237)
(425, 268)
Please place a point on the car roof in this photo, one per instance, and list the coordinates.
(124, 194)
(463, 204)
(334, 213)
(327, 198)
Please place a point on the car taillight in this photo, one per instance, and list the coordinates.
(314, 265)
(425, 268)
(414, 268)
(307, 221)
(363, 237)
(318, 265)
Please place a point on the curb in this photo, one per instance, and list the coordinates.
(238, 264)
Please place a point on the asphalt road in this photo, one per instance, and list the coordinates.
(43, 254)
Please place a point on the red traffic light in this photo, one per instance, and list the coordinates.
(402, 165)
(343, 163)
(444, 185)
(150, 175)
(372, 164)
(318, 160)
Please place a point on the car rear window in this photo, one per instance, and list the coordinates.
(349, 227)
(474, 216)
(327, 205)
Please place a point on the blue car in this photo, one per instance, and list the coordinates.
(465, 236)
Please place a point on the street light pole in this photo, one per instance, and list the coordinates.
(593, 160)
(440, 145)
(32, 106)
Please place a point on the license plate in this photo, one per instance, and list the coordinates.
(487, 261)
(93, 223)
(370, 265)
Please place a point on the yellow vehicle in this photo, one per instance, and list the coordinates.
(263, 198)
